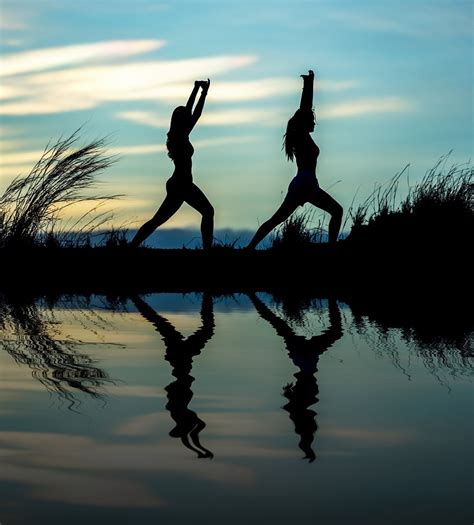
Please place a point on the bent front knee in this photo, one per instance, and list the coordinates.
(209, 213)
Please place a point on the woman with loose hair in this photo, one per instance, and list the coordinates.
(304, 187)
(180, 186)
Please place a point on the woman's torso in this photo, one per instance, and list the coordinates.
(305, 182)
(306, 153)
(181, 152)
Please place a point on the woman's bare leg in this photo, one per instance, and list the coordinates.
(287, 207)
(196, 199)
(168, 208)
(323, 200)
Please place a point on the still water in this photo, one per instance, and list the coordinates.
(171, 408)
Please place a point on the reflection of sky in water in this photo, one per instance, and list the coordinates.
(392, 442)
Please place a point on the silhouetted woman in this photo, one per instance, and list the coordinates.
(305, 355)
(180, 186)
(304, 187)
(180, 352)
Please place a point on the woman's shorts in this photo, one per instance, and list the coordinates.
(302, 187)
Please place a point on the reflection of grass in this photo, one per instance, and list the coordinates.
(30, 337)
(31, 205)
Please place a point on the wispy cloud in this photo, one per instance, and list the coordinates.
(11, 22)
(52, 57)
(277, 117)
(79, 88)
(245, 90)
(361, 107)
(79, 77)
(209, 118)
(425, 20)
(14, 162)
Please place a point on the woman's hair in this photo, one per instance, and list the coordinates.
(297, 125)
(179, 128)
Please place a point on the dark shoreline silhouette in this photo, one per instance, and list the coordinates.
(342, 269)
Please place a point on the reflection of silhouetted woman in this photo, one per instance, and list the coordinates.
(304, 187)
(305, 355)
(180, 352)
(180, 186)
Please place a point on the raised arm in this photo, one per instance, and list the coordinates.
(192, 96)
(200, 104)
(307, 93)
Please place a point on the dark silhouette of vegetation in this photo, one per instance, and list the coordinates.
(439, 209)
(31, 206)
(297, 233)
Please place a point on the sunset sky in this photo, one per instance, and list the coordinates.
(394, 86)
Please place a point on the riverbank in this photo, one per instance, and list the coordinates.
(344, 268)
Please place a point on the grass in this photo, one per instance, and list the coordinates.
(437, 210)
(298, 232)
(393, 241)
(31, 206)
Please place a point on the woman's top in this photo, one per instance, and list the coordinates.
(306, 153)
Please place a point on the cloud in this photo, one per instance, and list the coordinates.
(79, 77)
(78, 88)
(7, 92)
(66, 464)
(361, 107)
(274, 116)
(209, 118)
(423, 21)
(239, 91)
(11, 22)
(22, 158)
(374, 436)
(52, 57)
(145, 149)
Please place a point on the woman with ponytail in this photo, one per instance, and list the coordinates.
(304, 187)
(180, 186)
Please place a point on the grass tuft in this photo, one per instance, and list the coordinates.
(437, 209)
(297, 232)
(31, 206)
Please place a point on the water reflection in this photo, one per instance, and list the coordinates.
(438, 330)
(180, 352)
(437, 333)
(29, 336)
(304, 353)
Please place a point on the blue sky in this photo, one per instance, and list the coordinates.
(394, 86)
